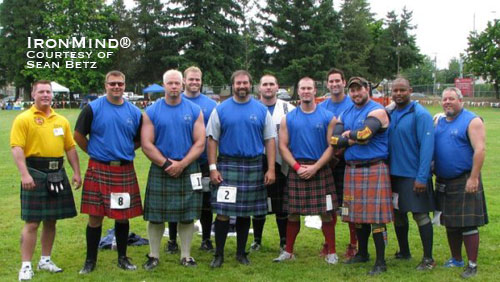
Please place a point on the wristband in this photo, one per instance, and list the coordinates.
(296, 166)
(212, 167)
(166, 164)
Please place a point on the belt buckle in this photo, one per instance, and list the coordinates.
(53, 165)
(114, 163)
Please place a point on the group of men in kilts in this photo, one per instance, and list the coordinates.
(342, 155)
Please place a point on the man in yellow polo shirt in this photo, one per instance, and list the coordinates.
(39, 138)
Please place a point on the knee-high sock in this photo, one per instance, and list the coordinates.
(292, 229)
(121, 234)
(378, 239)
(186, 236)
(155, 233)
(427, 237)
(471, 243)
(206, 224)
(402, 236)
(281, 220)
(363, 233)
(172, 231)
(258, 227)
(242, 228)
(455, 242)
(328, 229)
(353, 240)
(221, 230)
(93, 236)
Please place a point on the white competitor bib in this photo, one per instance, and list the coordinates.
(196, 181)
(269, 204)
(395, 200)
(226, 194)
(344, 211)
(205, 183)
(329, 203)
(120, 201)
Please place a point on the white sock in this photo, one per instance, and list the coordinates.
(44, 259)
(155, 233)
(186, 236)
(26, 264)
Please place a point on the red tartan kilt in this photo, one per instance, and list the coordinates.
(367, 194)
(100, 181)
(308, 197)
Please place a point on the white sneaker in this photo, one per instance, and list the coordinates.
(284, 256)
(26, 273)
(332, 258)
(49, 266)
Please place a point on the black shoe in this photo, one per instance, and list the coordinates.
(469, 271)
(402, 256)
(171, 247)
(151, 263)
(378, 269)
(243, 259)
(206, 245)
(88, 267)
(357, 259)
(125, 264)
(188, 262)
(217, 261)
(426, 264)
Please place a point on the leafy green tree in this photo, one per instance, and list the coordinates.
(19, 20)
(304, 38)
(207, 33)
(452, 72)
(421, 74)
(483, 54)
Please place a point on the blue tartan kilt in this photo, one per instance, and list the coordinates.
(247, 175)
(171, 199)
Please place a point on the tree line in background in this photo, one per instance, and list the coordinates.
(290, 39)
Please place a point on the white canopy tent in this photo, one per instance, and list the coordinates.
(58, 88)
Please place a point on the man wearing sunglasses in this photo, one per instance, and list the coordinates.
(110, 187)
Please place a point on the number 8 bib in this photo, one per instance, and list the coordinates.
(120, 201)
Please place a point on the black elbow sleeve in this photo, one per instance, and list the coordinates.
(372, 126)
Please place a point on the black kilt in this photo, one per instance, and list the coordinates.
(409, 200)
(275, 191)
(461, 209)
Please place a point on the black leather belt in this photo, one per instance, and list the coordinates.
(45, 164)
(365, 163)
(113, 163)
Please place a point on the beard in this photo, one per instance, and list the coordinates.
(242, 92)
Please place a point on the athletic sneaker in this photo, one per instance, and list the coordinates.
(332, 259)
(351, 251)
(255, 246)
(454, 263)
(26, 273)
(188, 262)
(469, 271)
(426, 264)
(284, 256)
(49, 266)
(171, 247)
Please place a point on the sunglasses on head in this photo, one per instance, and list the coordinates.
(113, 84)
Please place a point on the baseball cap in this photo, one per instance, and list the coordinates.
(357, 80)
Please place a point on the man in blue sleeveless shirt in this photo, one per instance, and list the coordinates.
(458, 159)
(367, 188)
(173, 138)
(110, 187)
(240, 128)
(411, 147)
(268, 88)
(337, 104)
(304, 135)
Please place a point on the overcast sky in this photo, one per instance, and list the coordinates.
(442, 25)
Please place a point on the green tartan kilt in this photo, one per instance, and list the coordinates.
(38, 205)
(172, 199)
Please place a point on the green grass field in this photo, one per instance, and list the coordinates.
(69, 248)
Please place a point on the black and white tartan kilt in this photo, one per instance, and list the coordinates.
(246, 174)
(308, 197)
(276, 191)
(461, 209)
(409, 200)
(171, 199)
(38, 205)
